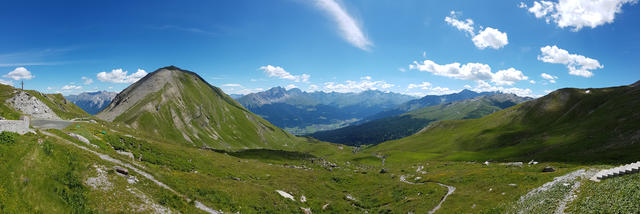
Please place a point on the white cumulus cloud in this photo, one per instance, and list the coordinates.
(6, 82)
(486, 38)
(313, 87)
(423, 85)
(483, 86)
(20, 73)
(71, 87)
(463, 25)
(87, 80)
(290, 86)
(578, 65)
(490, 38)
(120, 76)
(508, 77)
(356, 86)
(350, 29)
(426, 88)
(279, 72)
(579, 13)
(470, 71)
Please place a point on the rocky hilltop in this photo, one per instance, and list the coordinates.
(31, 105)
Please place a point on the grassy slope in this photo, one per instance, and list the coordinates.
(7, 112)
(566, 125)
(400, 126)
(40, 174)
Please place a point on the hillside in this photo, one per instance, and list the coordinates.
(179, 105)
(429, 100)
(587, 125)
(61, 107)
(92, 102)
(306, 112)
(396, 127)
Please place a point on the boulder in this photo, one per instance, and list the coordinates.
(383, 170)
(121, 170)
(548, 169)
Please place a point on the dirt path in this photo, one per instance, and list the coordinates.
(450, 190)
(198, 204)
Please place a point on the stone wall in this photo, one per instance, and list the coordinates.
(18, 126)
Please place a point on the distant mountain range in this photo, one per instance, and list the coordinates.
(399, 126)
(92, 102)
(593, 124)
(306, 112)
(429, 100)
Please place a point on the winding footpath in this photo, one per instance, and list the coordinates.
(198, 204)
(450, 190)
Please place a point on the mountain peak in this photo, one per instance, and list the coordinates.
(636, 84)
(467, 91)
(181, 106)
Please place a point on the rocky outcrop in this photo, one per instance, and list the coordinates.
(31, 105)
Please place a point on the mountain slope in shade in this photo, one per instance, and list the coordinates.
(429, 100)
(595, 124)
(395, 127)
(180, 106)
(303, 112)
(92, 102)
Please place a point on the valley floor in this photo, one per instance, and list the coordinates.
(52, 172)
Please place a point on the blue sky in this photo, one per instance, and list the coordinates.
(413, 47)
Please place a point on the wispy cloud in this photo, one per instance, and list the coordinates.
(231, 85)
(350, 29)
(185, 29)
(34, 57)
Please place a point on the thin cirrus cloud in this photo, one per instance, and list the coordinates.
(549, 77)
(349, 28)
(485, 38)
(470, 71)
(279, 72)
(578, 65)
(232, 85)
(577, 13)
(120, 76)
